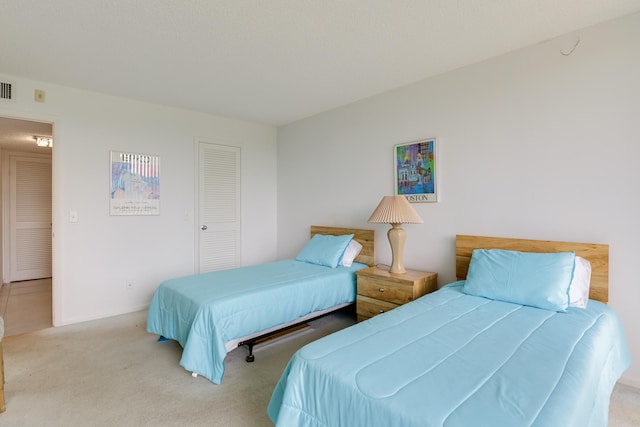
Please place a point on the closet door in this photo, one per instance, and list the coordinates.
(30, 218)
(219, 207)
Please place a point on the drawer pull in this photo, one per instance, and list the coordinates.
(381, 311)
(381, 289)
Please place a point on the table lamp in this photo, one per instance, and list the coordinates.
(396, 210)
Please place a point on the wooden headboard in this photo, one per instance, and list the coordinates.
(365, 237)
(596, 254)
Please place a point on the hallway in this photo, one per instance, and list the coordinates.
(26, 306)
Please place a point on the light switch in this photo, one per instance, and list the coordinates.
(73, 216)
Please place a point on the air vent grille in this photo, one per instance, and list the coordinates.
(6, 90)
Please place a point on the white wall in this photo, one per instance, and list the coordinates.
(533, 144)
(95, 257)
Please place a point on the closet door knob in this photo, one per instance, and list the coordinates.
(204, 227)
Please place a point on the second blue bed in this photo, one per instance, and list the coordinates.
(451, 359)
(520, 342)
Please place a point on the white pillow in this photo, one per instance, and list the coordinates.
(579, 288)
(350, 253)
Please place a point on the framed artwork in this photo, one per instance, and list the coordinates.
(135, 184)
(415, 170)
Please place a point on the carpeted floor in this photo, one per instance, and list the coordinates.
(110, 372)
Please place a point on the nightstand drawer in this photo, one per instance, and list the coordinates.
(369, 307)
(384, 290)
(380, 291)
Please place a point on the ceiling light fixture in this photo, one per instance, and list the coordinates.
(43, 141)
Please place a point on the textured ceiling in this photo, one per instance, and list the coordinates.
(271, 61)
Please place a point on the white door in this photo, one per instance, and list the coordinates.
(219, 207)
(30, 218)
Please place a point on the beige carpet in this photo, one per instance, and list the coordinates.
(112, 373)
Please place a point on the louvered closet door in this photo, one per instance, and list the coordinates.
(30, 218)
(219, 207)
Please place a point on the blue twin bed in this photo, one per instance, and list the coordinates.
(210, 314)
(471, 353)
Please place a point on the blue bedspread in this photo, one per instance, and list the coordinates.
(202, 312)
(451, 359)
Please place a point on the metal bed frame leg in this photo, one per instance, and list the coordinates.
(253, 341)
(250, 357)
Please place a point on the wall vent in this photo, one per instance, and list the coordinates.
(6, 91)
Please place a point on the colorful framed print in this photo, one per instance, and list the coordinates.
(415, 170)
(135, 184)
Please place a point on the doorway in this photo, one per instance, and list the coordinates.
(26, 255)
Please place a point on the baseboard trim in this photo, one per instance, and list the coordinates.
(629, 382)
(67, 322)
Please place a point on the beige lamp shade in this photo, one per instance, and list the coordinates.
(396, 210)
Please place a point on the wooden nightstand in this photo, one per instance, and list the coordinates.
(380, 291)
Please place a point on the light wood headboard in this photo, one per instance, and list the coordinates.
(365, 237)
(596, 254)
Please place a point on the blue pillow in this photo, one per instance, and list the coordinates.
(535, 279)
(324, 250)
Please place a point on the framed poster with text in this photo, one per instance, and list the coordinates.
(415, 170)
(135, 184)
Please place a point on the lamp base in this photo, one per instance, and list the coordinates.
(397, 236)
